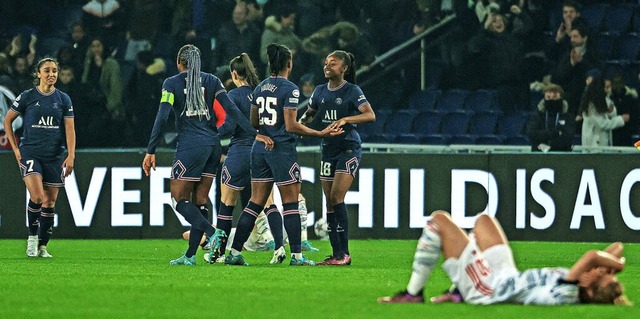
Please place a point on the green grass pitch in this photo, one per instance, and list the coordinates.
(132, 279)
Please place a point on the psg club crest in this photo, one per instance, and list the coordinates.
(338, 101)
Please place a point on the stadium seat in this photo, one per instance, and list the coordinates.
(516, 140)
(618, 19)
(452, 100)
(635, 24)
(401, 122)
(512, 124)
(455, 123)
(627, 48)
(310, 140)
(427, 122)
(535, 97)
(605, 43)
(410, 139)
(614, 67)
(483, 123)
(481, 100)
(434, 139)
(424, 99)
(380, 138)
(594, 15)
(490, 139)
(375, 127)
(464, 139)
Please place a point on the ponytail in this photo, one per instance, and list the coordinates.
(189, 56)
(243, 65)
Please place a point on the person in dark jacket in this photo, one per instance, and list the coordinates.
(551, 128)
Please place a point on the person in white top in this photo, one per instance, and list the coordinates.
(599, 115)
(482, 269)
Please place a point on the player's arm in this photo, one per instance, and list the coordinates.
(166, 103)
(233, 111)
(11, 116)
(594, 259)
(70, 132)
(366, 115)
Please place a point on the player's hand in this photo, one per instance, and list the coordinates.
(268, 142)
(338, 124)
(331, 131)
(68, 165)
(148, 163)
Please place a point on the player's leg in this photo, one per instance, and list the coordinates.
(341, 184)
(34, 186)
(332, 223)
(488, 232)
(228, 199)
(439, 234)
(259, 194)
(46, 219)
(302, 207)
(274, 219)
(291, 216)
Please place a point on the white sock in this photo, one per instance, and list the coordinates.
(296, 255)
(235, 252)
(427, 253)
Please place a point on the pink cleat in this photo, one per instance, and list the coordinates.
(402, 297)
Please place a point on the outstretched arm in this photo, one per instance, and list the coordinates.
(235, 113)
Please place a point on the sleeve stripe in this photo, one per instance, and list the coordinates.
(167, 97)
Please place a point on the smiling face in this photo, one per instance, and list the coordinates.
(48, 73)
(334, 67)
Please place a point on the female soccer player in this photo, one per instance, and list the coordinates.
(341, 104)
(48, 123)
(191, 95)
(236, 171)
(274, 111)
(483, 270)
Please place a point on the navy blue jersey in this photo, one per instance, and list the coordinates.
(333, 104)
(242, 97)
(193, 129)
(272, 96)
(43, 117)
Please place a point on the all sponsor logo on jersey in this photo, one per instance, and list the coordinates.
(46, 122)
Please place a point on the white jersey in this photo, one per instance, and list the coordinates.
(540, 286)
(490, 277)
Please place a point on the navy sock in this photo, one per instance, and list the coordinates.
(342, 221)
(32, 216)
(225, 219)
(204, 210)
(275, 224)
(46, 225)
(192, 214)
(195, 236)
(334, 239)
(292, 225)
(245, 224)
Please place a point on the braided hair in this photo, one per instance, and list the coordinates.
(189, 56)
(350, 61)
(279, 55)
(243, 65)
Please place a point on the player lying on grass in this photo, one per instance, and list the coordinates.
(261, 238)
(482, 268)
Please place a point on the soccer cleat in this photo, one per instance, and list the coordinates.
(402, 297)
(213, 257)
(301, 262)
(217, 239)
(235, 260)
(306, 246)
(42, 252)
(184, 261)
(447, 297)
(206, 245)
(333, 261)
(327, 261)
(32, 246)
(278, 256)
(270, 245)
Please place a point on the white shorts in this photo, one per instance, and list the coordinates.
(476, 272)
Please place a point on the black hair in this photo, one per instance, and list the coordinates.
(243, 65)
(145, 57)
(284, 11)
(595, 94)
(573, 4)
(279, 57)
(582, 29)
(348, 60)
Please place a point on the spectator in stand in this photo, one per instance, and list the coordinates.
(571, 70)
(21, 75)
(82, 111)
(235, 37)
(80, 44)
(279, 29)
(101, 75)
(495, 60)
(599, 116)
(104, 18)
(570, 20)
(551, 128)
(255, 13)
(16, 47)
(144, 90)
(626, 101)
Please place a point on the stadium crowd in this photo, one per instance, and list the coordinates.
(114, 55)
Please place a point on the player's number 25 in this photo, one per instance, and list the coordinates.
(268, 105)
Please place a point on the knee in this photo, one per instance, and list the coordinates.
(440, 215)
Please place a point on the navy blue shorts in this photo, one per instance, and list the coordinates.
(274, 166)
(51, 171)
(343, 162)
(236, 171)
(193, 163)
